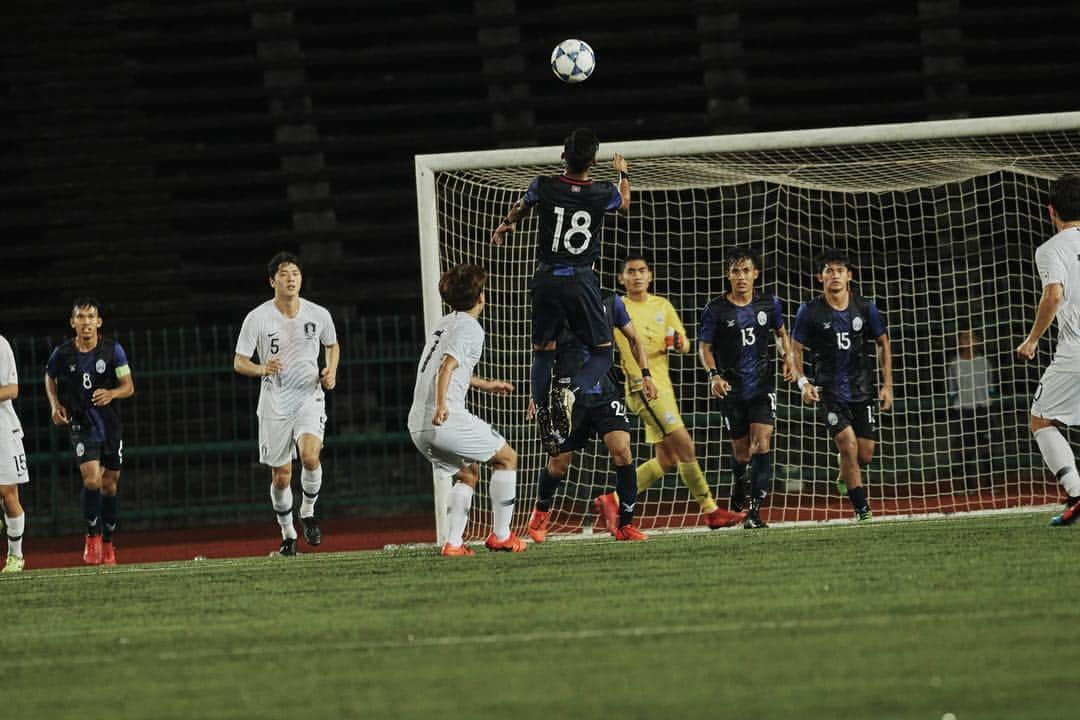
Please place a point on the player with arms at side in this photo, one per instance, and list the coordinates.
(13, 470)
(599, 411)
(735, 346)
(840, 328)
(661, 332)
(287, 333)
(565, 290)
(82, 378)
(1057, 398)
(452, 439)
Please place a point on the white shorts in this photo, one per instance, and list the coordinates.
(1058, 396)
(12, 458)
(462, 440)
(278, 436)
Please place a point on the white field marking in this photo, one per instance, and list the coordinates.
(406, 642)
(421, 549)
(801, 524)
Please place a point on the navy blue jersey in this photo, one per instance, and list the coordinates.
(571, 217)
(571, 353)
(742, 342)
(843, 347)
(79, 374)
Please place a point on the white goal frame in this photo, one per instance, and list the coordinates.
(429, 166)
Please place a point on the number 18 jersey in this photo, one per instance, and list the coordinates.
(571, 217)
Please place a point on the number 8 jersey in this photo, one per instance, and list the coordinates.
(571, 217)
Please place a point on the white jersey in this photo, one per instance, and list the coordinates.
(460, 336)
(296, 342)
(9, 375)
(1058, 261)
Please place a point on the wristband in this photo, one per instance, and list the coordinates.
(645, 373)
(713, 372)
(623, 175)
(802, 382)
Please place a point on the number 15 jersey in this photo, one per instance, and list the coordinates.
(296, 342)
(571, 217)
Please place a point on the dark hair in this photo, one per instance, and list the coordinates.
(635, 256)
(579, 150)
(461, 285)
(832, 256)
(742, 253)
(282, 258)
(1065, 197)
(85, 302)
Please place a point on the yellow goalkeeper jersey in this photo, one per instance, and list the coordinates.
(651, 317)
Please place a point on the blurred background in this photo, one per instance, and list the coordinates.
(155, 154)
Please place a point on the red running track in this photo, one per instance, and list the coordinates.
(339, 535)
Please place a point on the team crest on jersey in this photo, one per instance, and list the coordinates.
(660, 318)
(856, 324)
(832, 419)
(762, 318)
(99, 366)
(80, 449)
(309, 330)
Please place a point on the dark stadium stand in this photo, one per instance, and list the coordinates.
(157, 152)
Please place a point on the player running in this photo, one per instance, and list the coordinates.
(287, 333)
(735, 344)
(599, 412)
(661, 332)
(565, 290)
(1057, 397)
(83, 377)
(839, 328)
(449, 436)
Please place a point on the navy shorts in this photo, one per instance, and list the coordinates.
(861, 416)
(110, 451)
(568, 297)
(739, 414)
(595, 416)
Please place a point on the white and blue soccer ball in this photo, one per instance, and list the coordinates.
(573, 61)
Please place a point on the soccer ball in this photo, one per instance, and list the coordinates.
(573, 61)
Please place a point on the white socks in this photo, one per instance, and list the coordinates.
(459, 500)
(281, 498)
(311, 481)
(1059, 457)
(502, 501)
(15, 527)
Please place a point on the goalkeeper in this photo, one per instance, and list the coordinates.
(661, 332)
(600, 412)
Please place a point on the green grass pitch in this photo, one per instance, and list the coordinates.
(973, 616)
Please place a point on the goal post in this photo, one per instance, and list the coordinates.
(941, 218)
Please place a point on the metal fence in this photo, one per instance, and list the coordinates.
(190, 451)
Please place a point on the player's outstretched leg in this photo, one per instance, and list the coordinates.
(561, 403)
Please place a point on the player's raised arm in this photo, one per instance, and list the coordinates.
(623, 168)
(490, 385)
(519, 210)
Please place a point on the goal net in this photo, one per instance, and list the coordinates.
(942, 220)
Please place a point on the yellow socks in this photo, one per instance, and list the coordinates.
(647, 474)
(694, 479)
